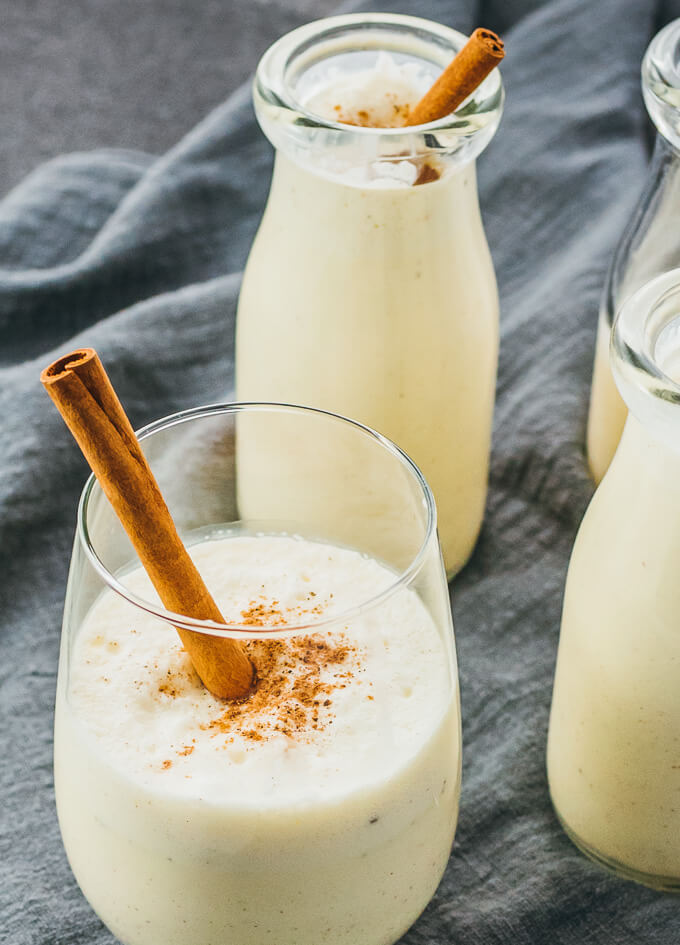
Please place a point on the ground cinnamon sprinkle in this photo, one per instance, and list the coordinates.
(426, 175)
(367, 117)
(264, 613)
(172, 686)
(296, 678)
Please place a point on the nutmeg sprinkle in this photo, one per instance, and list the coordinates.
(296, 677)
(394, 114)
(296, 682)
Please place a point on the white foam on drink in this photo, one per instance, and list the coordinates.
(380, 680)
(378, 97)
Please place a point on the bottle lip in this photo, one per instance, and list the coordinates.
(661, 81)
(313, 42)
(645, 335)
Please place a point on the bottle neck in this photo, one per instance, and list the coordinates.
(302, 200)
(643, 479)
(375, 179)
(645, 357)
(651, 242)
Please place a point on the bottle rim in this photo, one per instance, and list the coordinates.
(311, 43)
(645, 334)
(661, 81)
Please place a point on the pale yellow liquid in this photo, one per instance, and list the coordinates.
(337, 835)
(614, 741)
(381, 304)
(607, 414)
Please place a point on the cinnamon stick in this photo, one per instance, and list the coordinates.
(83, 394)
(482, 53)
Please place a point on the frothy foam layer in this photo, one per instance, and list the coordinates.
(379, 97)
(372, 689)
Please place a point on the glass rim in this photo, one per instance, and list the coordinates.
(241, 631)
(271, 85)
(635, 334)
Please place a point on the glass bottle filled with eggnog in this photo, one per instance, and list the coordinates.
(614, 738)
(650, 244)
(370, 290)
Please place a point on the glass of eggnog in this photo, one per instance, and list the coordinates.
(321, 808)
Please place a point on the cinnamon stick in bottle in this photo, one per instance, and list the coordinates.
(83, 394)
(482, 53)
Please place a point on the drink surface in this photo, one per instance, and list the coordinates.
(379, 97)
(321, 809)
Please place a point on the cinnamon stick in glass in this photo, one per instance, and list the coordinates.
(83, 394)
(482, 53)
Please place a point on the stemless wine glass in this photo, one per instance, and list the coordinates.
(327, 817)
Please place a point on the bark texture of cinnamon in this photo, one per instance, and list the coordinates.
(83, 394)
(482, 53)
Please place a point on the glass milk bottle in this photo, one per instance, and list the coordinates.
(614, 739)
(651, 243)
(370, 290)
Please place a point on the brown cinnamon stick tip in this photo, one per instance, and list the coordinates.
(493, 44)
(479, 56)
(66, 364)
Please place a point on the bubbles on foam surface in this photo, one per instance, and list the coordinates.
(395, 693)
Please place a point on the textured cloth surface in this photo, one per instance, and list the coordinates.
(96, 73)
(142, 257)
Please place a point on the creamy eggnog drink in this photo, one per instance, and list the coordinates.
(370, 289)
(318, 806)
(614, 740)
(322, 809)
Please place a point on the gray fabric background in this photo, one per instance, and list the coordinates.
(141, 256)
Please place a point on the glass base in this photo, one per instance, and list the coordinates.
(669, 884)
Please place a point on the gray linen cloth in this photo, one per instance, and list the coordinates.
(142, 258)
